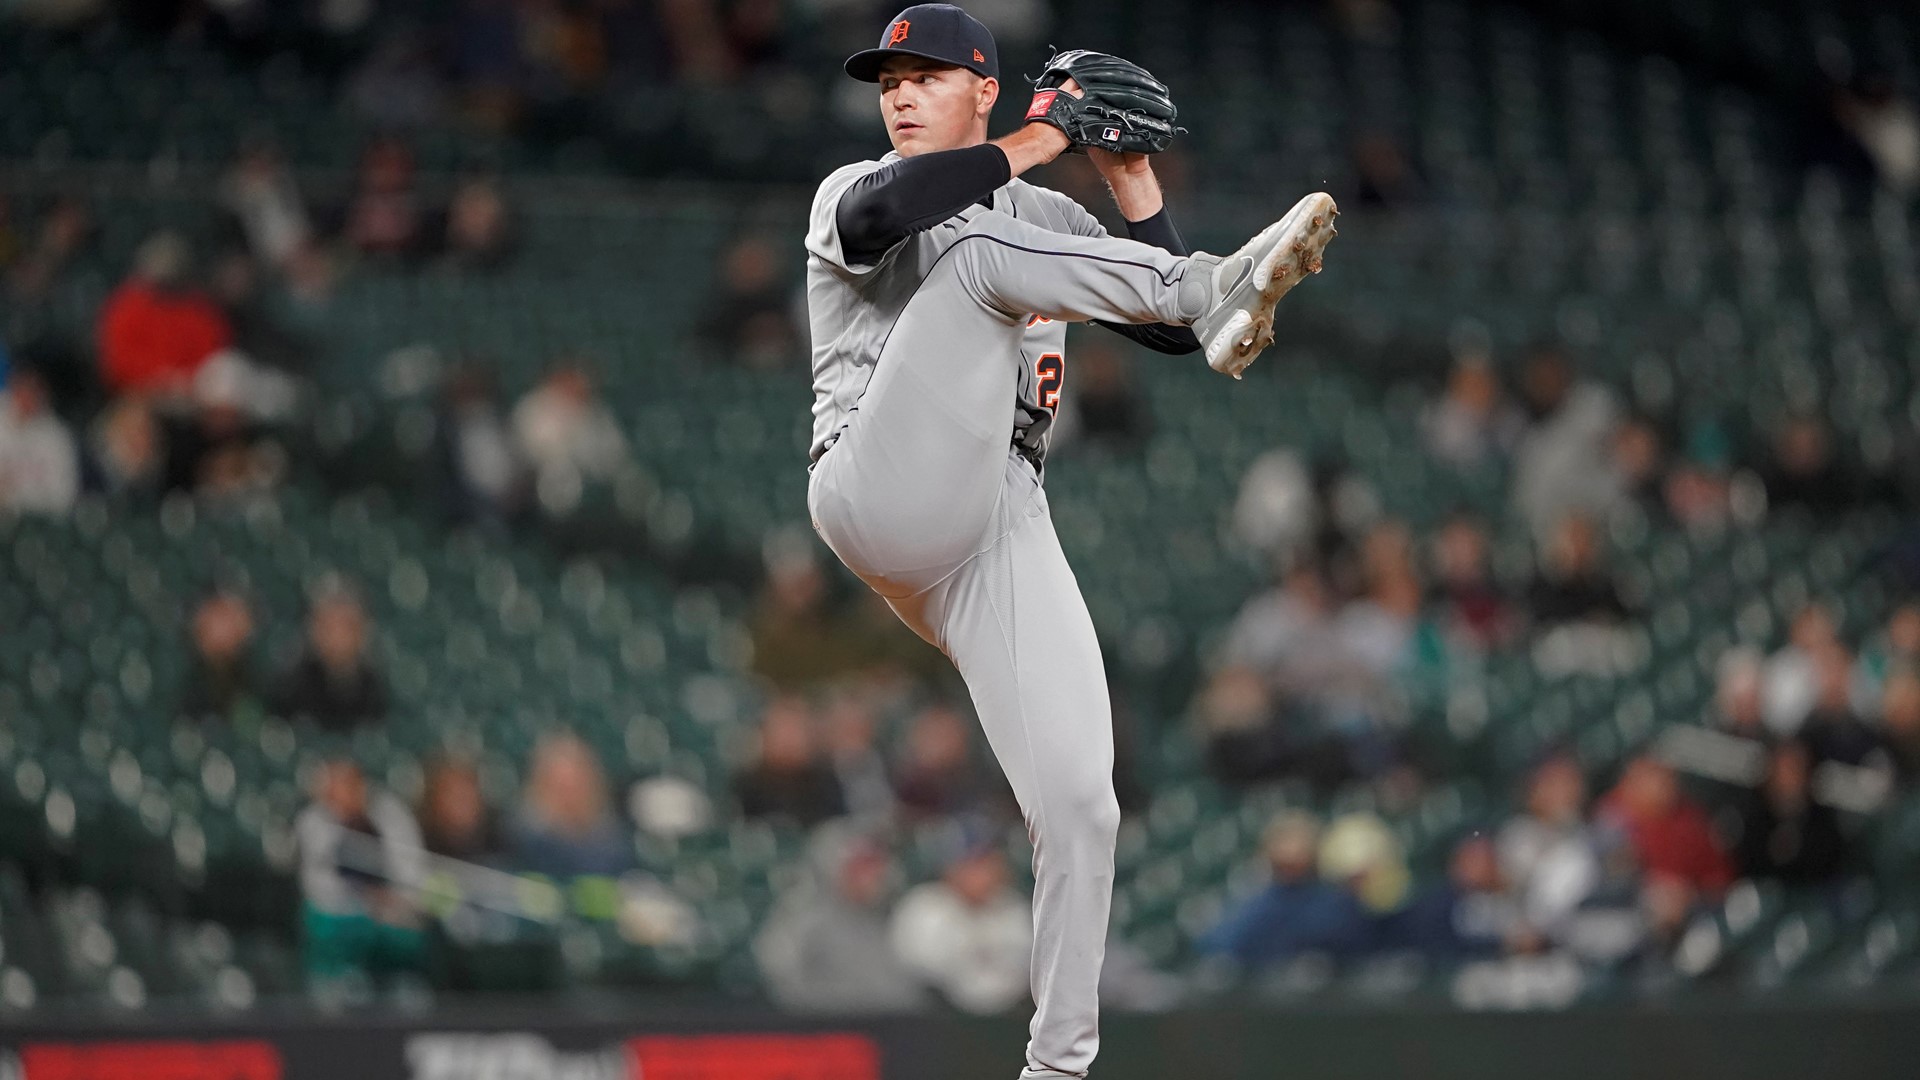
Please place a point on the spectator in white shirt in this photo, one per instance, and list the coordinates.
(968, 936)
(39, 460)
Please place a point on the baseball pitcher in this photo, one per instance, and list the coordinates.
(939, 289)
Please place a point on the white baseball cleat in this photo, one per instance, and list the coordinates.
(1248, 283)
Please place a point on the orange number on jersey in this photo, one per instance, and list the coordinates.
(1050, 370)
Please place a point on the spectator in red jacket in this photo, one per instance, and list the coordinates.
(1668, 832)
(155, 330)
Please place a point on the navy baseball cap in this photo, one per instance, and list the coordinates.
(936, 32)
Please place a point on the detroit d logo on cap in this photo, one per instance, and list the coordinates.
(899, 32)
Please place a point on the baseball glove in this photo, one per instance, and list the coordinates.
(1122, 107)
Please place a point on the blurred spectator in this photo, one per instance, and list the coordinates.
(1784, 834)
(1282, 623)
(1574, 585)
(1887, 127)
(1700, 487)
(968, 936)
(1833, 728)
(1547, 852)
(1360, 853)
(1471, 913)
(1668, 832)
(383, 218)
(789, 779)
(937, 776)
(1738, 694)
(39, 460)
(66, 231)
(1804, 472)
(332, 682)
(1472, 609)
(1104, 406)
(1896, 647)
(1386, 180)
(359, 867)
(261, 194)
(749, 321)
(1900, 722)
(799, 640)
(1566, 444)
(1297, 912)
(257, 332)
(479, 228)
(824, 948)
(1472, 423)
(399, 85)
(219, 452)
(455, 820)
(1636, 466)
(486, 479)
(1791, 674)
(221, 683)
(568, 435)
(156, 331)
(126, 449)
(566, 827)
(851, 730)
(1245, 734)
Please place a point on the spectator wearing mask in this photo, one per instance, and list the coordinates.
(332, 682)
(359, 866)
(221, 684)
(1834, 729)
(156, 331)
(1900, 722)
(39, 460)
(1574, 587)
(1470, 914)
(566, 828)
(568, 435)
(749, 321)
(825, 949)
(1548, 853)
(455, 820)
(1784, 834)
(486, 478)
(1566, 444)
(479, 232)
(1739, 697)
(938, 776)
(127, 450)
(260, 193)
(1791, 677)
(789, 779)
(384, 216)
(968, 936)
(1669, 833)
(1471, 607)
(1298, 912)
(799, 640)
(1803, 470)
(1472, 424)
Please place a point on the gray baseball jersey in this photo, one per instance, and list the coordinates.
(852, 307)
(927, 365)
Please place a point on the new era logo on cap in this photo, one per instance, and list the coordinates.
(977, 58)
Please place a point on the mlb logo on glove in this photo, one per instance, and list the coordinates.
(1110, 135)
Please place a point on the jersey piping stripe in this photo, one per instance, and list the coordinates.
(1164, 280)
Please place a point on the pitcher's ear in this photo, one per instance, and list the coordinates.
(989, 93)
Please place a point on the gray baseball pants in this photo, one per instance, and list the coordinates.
(922, 497)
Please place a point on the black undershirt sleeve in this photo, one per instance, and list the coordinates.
(897, 200)
(1159, 231)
